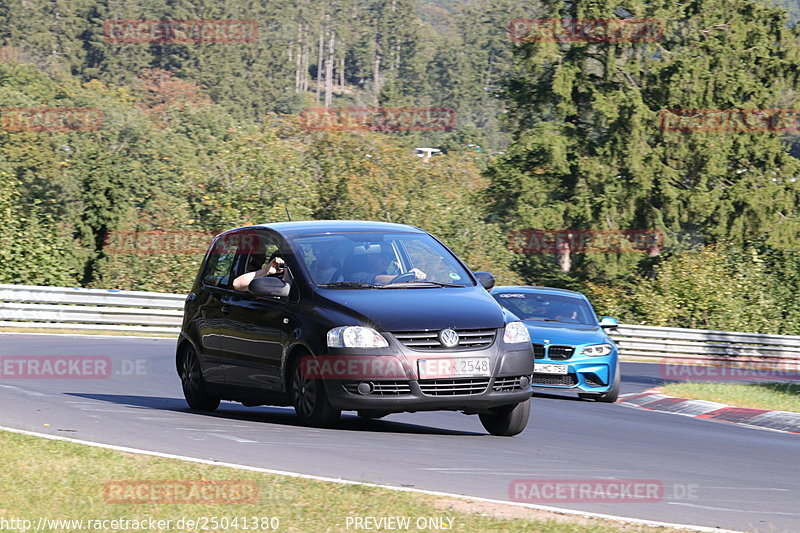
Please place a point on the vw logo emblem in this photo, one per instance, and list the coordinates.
(448, 338)
(547, 341)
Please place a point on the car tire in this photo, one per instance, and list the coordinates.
(610, 396)
(508, 420)
(192, 383)
(310, 400)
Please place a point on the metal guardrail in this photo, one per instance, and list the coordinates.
(681, 343)
(26, 306)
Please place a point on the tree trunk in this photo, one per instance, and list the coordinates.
(319, 61)
(298, 65)
(329, 69)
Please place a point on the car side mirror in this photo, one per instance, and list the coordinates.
(269, 286)
(485, 279)
(608, 322)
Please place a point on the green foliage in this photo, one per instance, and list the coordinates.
(722, 288)
(199, 138)
(33, 249)
(589, 150)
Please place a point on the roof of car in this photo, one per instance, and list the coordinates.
(306, 227)
(538, 290)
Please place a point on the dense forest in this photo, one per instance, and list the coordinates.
(550, 134)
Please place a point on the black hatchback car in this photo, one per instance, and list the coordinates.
(348, 315)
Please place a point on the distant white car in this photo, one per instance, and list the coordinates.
(427, 152)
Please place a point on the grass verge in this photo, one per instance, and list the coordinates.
(778, 396)
(68, 481)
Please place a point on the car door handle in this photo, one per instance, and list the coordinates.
(225, 309)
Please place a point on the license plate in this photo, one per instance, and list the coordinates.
(454, 367)
(546, 368)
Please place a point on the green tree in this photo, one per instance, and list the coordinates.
(589, 151)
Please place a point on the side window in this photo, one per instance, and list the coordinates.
(218, 268)
(254, 252)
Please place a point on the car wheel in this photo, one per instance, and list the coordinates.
(610, 396)
(310, 400)
(194, 388)
(508, 420)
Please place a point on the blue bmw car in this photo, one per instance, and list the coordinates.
(571, 348)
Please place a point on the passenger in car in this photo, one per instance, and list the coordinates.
(275, 267)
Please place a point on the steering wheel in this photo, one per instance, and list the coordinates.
(408, 276)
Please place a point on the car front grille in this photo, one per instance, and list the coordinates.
(381, 388)
(538, 351)
(468, 339)
(565, 380)
(510, 383)
(560, 353)
(453, 387)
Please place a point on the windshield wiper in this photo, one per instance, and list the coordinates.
(349, 285)
(418, 283)
(542, 319)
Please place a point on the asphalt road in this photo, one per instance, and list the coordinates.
(714, 474)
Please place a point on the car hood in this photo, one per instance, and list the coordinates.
(415, 309)
(563, 334)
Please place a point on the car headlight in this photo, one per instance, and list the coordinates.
(516, 332)
(597, 350)
(355, 337)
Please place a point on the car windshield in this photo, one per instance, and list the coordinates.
(383, 260)
(548, 307)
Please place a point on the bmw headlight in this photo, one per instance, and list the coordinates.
(355, 337)
(516, 332)
(597, 350)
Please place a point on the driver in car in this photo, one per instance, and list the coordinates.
(381, 268)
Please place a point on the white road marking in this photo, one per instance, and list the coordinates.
(736, 510)
(233, 438)
(23, 391)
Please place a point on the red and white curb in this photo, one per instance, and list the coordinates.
(653, 400)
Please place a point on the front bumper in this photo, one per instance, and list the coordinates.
(586, 374)
(509, 383)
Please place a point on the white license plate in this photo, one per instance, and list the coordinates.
(454, 367)
(546, 368)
